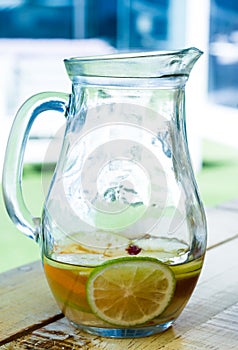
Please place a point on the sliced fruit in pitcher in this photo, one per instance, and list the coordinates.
(68, 283)
(130, 291)
(108, 243)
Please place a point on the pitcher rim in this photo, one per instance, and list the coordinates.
(128, 55)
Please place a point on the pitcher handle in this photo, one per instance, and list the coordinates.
(13, 162)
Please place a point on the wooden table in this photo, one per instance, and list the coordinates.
(30, 319)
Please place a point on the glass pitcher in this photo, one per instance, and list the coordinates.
(123, 231)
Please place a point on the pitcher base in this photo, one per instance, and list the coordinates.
(125, 332)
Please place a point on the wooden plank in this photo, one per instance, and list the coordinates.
(231, 205)
(25, 300)
(218, 333)
(222, 225)
(210, 320)
(20, 311)
(217, 288)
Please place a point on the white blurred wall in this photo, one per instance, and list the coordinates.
(30, 66)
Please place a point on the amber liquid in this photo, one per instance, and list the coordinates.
(68, 285)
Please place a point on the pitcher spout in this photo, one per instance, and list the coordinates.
(188, 58)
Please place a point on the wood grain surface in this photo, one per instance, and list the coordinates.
(30, 319)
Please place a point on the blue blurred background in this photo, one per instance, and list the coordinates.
(133, 25)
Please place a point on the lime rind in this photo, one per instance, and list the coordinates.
(117, 268)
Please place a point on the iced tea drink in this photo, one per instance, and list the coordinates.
(130, 287)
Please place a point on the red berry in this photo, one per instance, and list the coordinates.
(133, 249)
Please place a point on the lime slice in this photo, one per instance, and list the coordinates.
(99, 241)
(130, 291)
